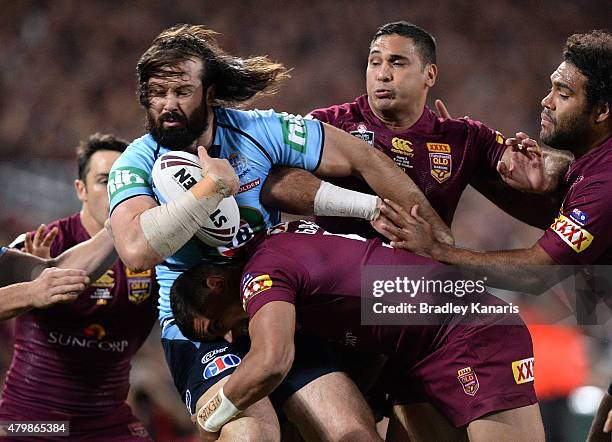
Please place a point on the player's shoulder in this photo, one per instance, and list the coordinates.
(243, 120)
(340, 113)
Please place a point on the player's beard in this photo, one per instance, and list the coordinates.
(178, 138)
(567, 133)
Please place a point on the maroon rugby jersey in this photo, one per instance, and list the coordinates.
(581, 234)
(74, 359)
(441, 156)
(320, 273)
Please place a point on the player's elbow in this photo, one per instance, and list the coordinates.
(135, 258)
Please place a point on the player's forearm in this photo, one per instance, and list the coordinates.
(15, 299)
(259, 373)
(290, 190)
(519, 270)
(556, 163)
(534, 209)
(389, 181)
(94, 256)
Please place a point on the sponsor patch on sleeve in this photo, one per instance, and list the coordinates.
(571, 233)
(124, 178)
(252, 286)
(523, 371)
(295, 132)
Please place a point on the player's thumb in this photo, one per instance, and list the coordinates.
(203, 155)
(502, 169)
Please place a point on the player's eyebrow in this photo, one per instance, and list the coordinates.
(102, 175)
(562, 85)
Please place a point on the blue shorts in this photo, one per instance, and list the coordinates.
(197, 366)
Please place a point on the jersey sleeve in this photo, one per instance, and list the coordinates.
(488, 145)
(130, 176)
(581, 232)
(319, 114)
(269, 277)
(293, 140)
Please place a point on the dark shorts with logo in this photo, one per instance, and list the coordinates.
(479, 370)
(195, 367)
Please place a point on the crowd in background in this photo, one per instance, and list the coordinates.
(68, 70)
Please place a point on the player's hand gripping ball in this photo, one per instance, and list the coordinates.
(175, 173)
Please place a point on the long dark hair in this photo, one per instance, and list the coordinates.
(236, 80)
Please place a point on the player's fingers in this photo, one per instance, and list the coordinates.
(61, 273)
(415, 213)
(28, 242)
(65, 297)
(521, 135)
(502, 169)
(442, 110)
(608, 425)
(381, 228)
(49, 237)
(68, 289)
(399, 215)
(39, 234)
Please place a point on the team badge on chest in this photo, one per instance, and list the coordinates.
(139, 285)
(440, 161)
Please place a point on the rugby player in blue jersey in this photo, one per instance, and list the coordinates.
(190, 88)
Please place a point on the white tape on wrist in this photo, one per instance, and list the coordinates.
(169, 226)
(331, 200)
(216, 412)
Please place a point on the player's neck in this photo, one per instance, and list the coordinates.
(207, 137)
(400, 120)
(89, 223)
(596, 139)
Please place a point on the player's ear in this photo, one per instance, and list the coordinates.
(431, 72)
(81, 190)
(602, 112)
(210, 94)
(216, 284)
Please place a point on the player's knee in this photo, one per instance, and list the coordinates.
(351, 429)
(246, 429)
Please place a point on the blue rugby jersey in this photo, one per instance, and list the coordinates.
(253, 141)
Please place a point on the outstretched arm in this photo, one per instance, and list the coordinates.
(36, 283)
(509, 269)
(262, 369)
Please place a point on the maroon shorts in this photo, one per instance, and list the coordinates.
(120, 425)
(477, 371)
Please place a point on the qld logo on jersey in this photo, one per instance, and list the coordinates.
(440, 161)
(363, 133)
(252, 286)
(571, 233)
(139, 285)
(220, 364)
(469, 381)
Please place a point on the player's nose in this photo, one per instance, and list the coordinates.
(547, 101)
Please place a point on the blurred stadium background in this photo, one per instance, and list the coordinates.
(67, 70)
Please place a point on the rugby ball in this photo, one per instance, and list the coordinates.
(176, 172)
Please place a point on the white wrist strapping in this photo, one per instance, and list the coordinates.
(216, 412)
(169, 226)
(332, 200)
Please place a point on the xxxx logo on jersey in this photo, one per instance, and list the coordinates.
(523, 371)
(254, 286)
(571, 233)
